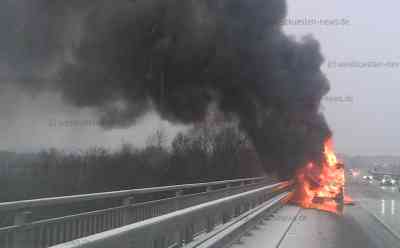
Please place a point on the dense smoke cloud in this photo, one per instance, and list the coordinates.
(124, 58)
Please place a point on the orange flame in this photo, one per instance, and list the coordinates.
(322, 187)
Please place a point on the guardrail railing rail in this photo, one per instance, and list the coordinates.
(185, 227)
(44, 233)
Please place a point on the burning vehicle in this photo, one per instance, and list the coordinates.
(322, 186)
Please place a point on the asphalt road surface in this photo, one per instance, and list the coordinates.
(373, 222)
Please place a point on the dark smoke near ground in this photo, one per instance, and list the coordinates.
(124, 58)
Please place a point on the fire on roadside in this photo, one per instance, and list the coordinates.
(322, 186)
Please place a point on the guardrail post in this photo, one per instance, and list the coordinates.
(126, 215)
(228, 186)
(228, 214)
(237, 211)
(24, 237)
(179, 238)
(178, 195)
(22, 218)
(189, 232)
(208, 190)
(210, 222)
(225, 217)
(160, 242)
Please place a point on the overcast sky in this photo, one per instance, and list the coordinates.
(43, 121)
(362, 107)
(370, 124)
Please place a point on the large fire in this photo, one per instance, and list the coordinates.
(322, 187)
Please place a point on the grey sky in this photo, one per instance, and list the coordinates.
(41, 121)
(367, 125)
(370, 124)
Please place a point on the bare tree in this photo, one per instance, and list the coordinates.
(158, 139)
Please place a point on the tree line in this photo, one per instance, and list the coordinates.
(201, 154)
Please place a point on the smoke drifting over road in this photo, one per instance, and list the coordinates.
(124, 58)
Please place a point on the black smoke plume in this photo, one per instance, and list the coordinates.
(126, 57)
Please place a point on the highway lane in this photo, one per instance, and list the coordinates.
(367, 224)
(381, 202)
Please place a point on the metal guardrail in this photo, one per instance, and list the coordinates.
(233, 231)
(51, 201)
(44, 233)
(180, 228)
